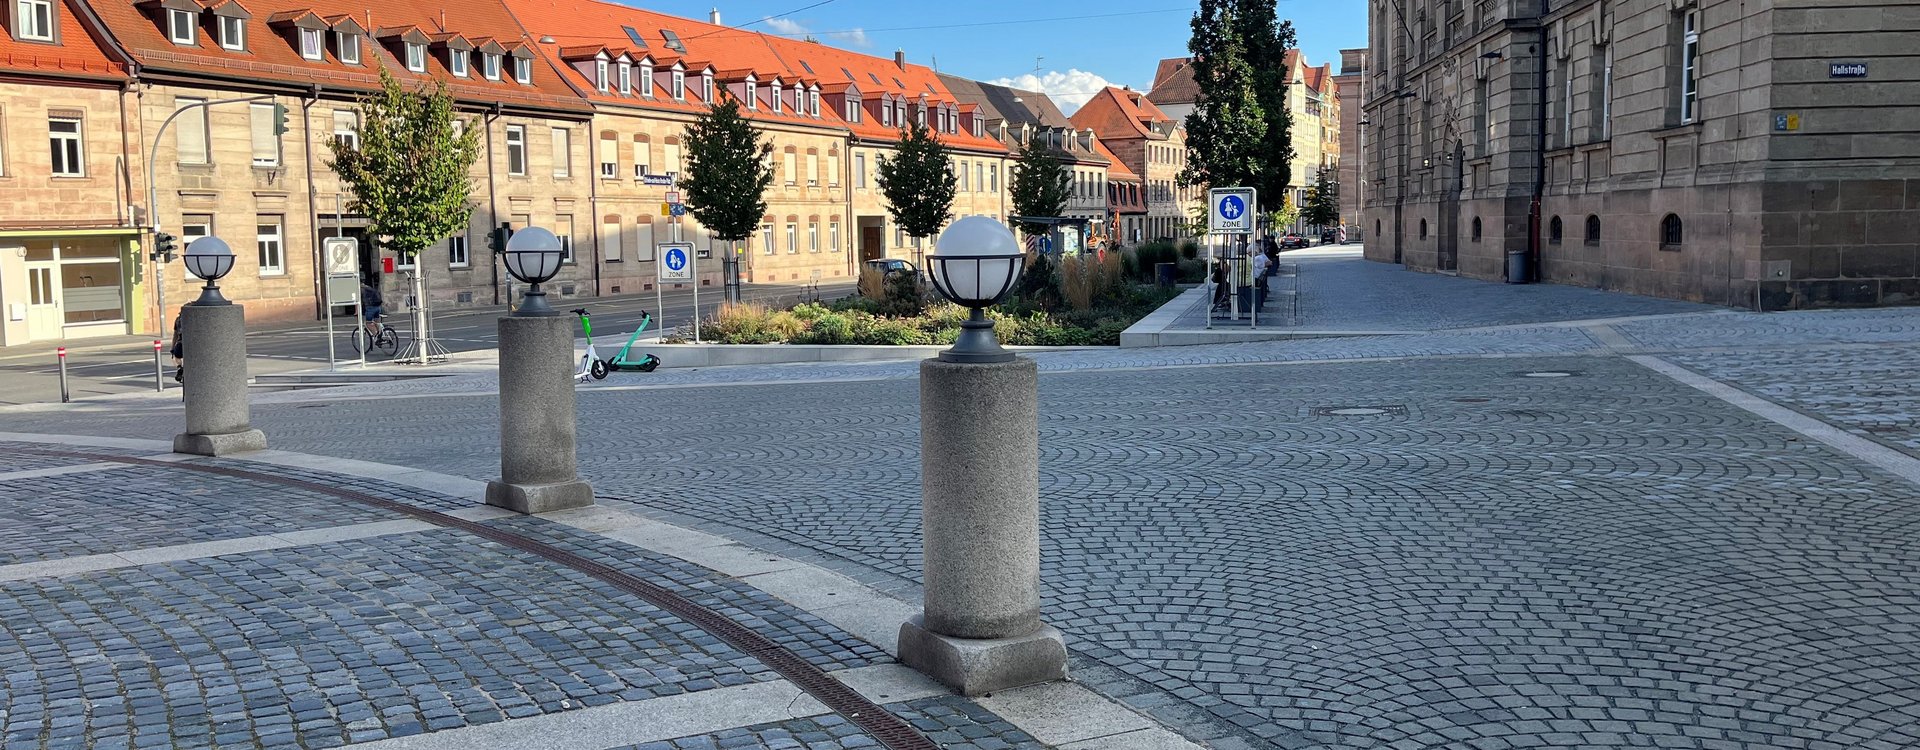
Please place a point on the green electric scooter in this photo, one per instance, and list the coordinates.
(625, 360)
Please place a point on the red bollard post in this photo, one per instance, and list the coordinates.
(159, 380)
(65, 395)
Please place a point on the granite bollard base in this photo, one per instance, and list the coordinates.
(977, 666)
(220, 445)
(539, 498)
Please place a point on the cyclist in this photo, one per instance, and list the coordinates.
(370, 306)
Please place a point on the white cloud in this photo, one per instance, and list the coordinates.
(1069, 90)
(856, 37)
(786, 26)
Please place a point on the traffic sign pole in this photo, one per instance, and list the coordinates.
(693, 263)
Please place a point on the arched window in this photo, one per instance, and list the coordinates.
(1593, 230)
(1555, 231)
(1376, 227)
(1476, 228)
(1670, 233)
(1423, 229)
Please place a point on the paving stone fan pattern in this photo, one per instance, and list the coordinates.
(949, 721)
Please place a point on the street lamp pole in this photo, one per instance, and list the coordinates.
(153, 198)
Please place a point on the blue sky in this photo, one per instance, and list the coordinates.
(1109, 46)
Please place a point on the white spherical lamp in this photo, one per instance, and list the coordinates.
(533, 256)
(975, 264)
(209, 259)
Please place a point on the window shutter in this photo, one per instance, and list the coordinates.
(265, 144)
(610, 238)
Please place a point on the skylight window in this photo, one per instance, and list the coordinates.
(673, 40)
(849, 74)
(876, 79)
(634, 36)
(806, 67)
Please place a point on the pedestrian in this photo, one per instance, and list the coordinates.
(1220, 284)
(1262, 266)
(1271, 250)
(179, 350)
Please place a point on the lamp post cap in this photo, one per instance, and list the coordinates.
(977, 236)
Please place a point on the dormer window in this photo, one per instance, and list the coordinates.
(523, 70)
(600, 75)
(349, 47)
(33, 20)
(233, 33)
(679, 86)
(457, 62)
(182, 29)
(626, 79)
(813, 101)
(853, 110)
(779, 97)
(311, 46)
(490, 66)
(886, 114)
(416, 57)
(646, 80)
(706, 87)
(753, 97)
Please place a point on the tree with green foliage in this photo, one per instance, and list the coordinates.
(1042, 183)
(1323, 201)
(1239, 132)
(409, 174)
(729, 167)
(918, 182)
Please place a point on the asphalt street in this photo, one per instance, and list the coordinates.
(126, 363)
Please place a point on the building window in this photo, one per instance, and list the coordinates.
(646, 80)
(788, 172)
(860, 171)
(1483, 116)
(181, 28)
(1476, 227)
(753, 97)
(833, 237)
(1593, 230)
(562, 152)
(33, 20)
(516, 150)
(610, 239)
(523, 70)
(993, 178)
(457, 62)
(1555, 231)
(190, 136)
(793, 238)
(563, 228)
(886, 115)
(490, 66)
(853, 110)
(673, 157)
(706, 87)
(416, 57)
(600, 75)
(626, 79)
(1423, 229)
(1689, 66)
(777, 96)
(1605, 105)
(266, 144)
(233, 33)
(1670, 233)
(813, 102)
(272, 253)
(69, 156)
(813, 236)
(679, 86)
(349, 48)
(609, 158)
(457, 250)
(346, 127)
(642, 151)
(310, 44)
(766, 239)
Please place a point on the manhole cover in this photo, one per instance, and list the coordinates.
(1547, 374)
(1358, 411)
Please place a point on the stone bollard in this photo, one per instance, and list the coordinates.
(980, 629)
(215, 383)
(539, 470)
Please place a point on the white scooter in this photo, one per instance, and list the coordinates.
(591, 366)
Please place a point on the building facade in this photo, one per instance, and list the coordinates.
(1017, 117)
(1706, 150)
(1153, 146)
(1347, 87)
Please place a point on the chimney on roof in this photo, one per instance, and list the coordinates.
(713, 17)
(900, 58)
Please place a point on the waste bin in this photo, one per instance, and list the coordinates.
(1166, 274)
(1519, 269)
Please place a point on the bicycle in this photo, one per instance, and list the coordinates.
(383, 337)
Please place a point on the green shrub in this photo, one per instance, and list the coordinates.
(1189, 249)
(830, 328)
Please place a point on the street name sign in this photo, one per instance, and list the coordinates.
(1230, 210)
(676, 261)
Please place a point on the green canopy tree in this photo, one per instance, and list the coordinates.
(1226, 128)
(728, 171)
(918, 182)
(1266, 40)
(410, 175)
(1042, 183)
(1323, 201)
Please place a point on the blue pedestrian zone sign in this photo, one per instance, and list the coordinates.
(1230, 210)
(676, 262)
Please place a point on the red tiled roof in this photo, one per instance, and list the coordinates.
(273, 55)
(1173, 82)
(1119, 114)
(75, 54)
(1116, 169)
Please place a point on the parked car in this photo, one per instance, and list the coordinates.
(890, 266)
(1292, 241)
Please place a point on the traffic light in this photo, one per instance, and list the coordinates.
(164, 246)
(279, 119)
(497, 239)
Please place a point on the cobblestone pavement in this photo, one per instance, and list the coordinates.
(1356, 294)
(952, 722)
(1537, 544)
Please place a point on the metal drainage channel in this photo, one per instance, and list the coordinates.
(835, 695)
